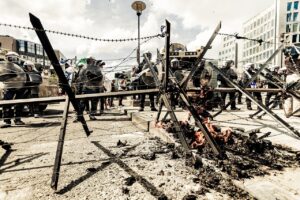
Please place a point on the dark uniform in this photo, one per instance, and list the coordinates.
(270, 81)
(79, 86)
(14, 93)
(8, 112)
(247, 74)
(231, 74)
(91, 78)
(34, 79)
(113, 89)
(143, 85)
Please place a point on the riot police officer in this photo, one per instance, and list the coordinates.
(231, 74)
(100, 64)
(34, 79)
(274, 72)
(143, 65)
(249, 71)
(91, 77)
(13, 93)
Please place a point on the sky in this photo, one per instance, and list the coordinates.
(192, 23)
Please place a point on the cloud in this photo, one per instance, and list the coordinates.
(193, 21)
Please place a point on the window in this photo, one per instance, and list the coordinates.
(289, 17)
(289, 6)
(295, 27)
(294, 39)
(39, 50)
(296, 5)
(295, 16)
(30, 47)
(21, 45)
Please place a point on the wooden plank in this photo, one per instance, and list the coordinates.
(60, 145)
(39, 30)
(276, 117)
(186, 79)
(82, 96)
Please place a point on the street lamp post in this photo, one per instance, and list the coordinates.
(138, 6)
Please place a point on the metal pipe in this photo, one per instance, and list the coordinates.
(139, 45)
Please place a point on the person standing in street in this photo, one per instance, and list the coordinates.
(249, 71)
(232, 75)
(91, 77)
(143, 85)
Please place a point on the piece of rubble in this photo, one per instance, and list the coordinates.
(149, 156)
(175, 155)
(121, 144)
(162, 184)
(198, 162)
(130, 181)
(161, 173)
(162, 197)
(190, 197)
(125, 190)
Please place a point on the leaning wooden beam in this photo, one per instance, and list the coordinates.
(82, 96)
(40, 31)
(262, 67)
(60, 146)
(263, 107)
(190, 107)
(195, 66)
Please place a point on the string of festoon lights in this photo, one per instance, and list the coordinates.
(80, 36)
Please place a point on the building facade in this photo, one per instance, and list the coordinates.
(228, 49)
(282, 18)
(269, 25)
(262, 26)
(28, 50)
(290, 20)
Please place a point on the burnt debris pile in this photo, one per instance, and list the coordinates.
(246, 155)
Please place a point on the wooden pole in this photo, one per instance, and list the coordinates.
(60, 145)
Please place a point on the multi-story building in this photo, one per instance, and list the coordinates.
(228, 49)
(290, 20)
(280, 18)
(261, 26)
(28, 50)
